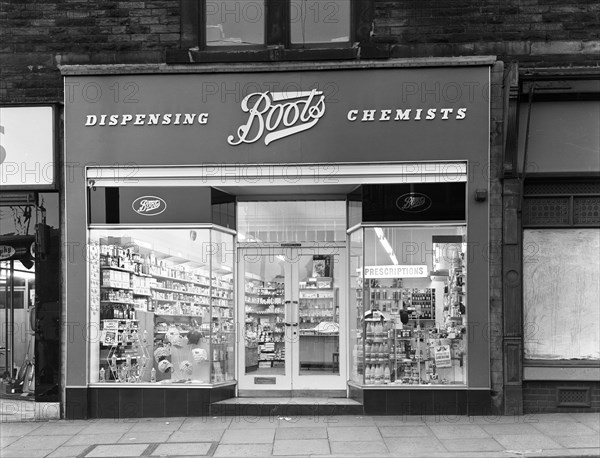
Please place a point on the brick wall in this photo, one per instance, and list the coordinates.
(541, 397)
(37, 36)
(536, 31)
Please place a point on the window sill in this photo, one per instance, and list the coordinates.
(182, 56)
(561, 363)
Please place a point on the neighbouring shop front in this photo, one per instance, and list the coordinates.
(290, 233)
(29, 263)
(552, 248)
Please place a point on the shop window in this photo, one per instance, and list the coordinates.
(560, 294)
(161, 305)
(409, 305)
(561, 248)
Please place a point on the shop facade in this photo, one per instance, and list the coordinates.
(552, 241)
(298, 232)
(29, 262)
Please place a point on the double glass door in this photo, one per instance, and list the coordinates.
(290, 309)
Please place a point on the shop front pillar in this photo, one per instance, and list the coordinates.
(512, 287)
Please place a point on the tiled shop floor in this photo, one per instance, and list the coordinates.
(343, 436)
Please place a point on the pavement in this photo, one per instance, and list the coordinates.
(576, 434)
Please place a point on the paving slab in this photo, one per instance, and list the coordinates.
(395, 420)
(301, 447)
(65, 429)
(10, 452)
(33, 442)
(19, 429)
(114, 451)
(316, 432)
(347, 420)
(359, 448)
(354, 434)
(68, 450)
(458, 431)
(183, 449)
(117, 427)
(6, 441)
(526, 442)
(248, 436)
(422, 445)
(161, 426)
(405, 430)
(578, 441)
(208, 435)
(92, 439)
(305, 421)
(250, 422)
(506, 419)
(472, 445)
(138, 437)
(243, 450)
(550, 417)
(559, 428)
(508, 428)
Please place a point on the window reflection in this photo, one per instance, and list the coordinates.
(235, 22)
(320, 21)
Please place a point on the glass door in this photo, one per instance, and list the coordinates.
(319, 350)
(292, 321)
(264, 310)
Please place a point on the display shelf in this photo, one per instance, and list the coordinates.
(103, 286)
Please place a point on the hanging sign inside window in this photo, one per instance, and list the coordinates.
(396, 271)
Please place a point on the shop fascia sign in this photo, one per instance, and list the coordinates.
(27, 152)
(276, 115)
(396, 271)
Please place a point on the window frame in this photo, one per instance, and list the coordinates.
(277, 35)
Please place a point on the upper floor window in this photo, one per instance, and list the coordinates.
(319, 21)
(288, 23)
(234, 22)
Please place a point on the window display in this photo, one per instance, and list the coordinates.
(410, 306)
(162, 301)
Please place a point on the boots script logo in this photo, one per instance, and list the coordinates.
(279, 115)
(413, 202)
(149, 205)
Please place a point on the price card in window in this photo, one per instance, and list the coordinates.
(442, 356)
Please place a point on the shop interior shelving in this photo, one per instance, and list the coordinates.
(165, 300)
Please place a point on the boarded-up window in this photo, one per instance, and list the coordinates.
(561, 291)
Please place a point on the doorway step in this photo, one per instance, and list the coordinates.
(287, 407)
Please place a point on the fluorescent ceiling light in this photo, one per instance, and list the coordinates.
(386, 245)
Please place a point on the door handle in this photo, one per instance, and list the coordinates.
(295, 324)
(291, 324)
